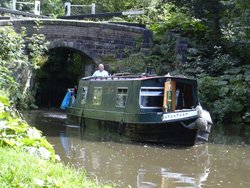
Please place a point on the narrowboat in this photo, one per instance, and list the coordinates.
(141, 108)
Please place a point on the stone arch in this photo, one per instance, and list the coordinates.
(76, 46)
(61, 71)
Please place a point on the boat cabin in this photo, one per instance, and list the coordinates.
(99, 96)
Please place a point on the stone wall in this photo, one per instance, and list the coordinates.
(95, 39)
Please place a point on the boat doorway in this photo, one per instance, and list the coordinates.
(63, 69)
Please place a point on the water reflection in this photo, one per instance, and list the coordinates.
(139, 165)
(135, 164)
(231, 134)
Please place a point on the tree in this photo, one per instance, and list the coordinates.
(52, 8)
(235, 24)
(209, 12)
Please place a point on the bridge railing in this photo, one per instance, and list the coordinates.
(70, 9)
(36, 4)
(17, 12)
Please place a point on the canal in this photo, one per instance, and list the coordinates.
(223, 162)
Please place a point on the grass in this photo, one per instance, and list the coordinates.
(20, 169)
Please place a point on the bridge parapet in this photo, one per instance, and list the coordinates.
(95, 39)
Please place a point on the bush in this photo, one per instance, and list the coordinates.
(227, 96)
(16, 133)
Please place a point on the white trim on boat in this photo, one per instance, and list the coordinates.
(179, 115)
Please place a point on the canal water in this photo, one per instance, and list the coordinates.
(223, 162)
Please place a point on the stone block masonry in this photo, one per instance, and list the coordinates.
(95, 39)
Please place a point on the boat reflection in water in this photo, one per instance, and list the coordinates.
(134, 164)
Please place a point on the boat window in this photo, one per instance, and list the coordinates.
(151, 97)
(84, 95)
(121, 97)
(97, 96)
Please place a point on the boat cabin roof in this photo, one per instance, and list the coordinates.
(134, 77)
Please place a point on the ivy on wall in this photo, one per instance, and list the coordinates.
(20, 55)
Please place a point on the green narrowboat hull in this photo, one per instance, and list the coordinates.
(148, 128)
(131, 109)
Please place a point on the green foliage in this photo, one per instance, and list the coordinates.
(36, 46)
(235, 21)
(17, 62)
(170, 25)
(199, 63)
(163, 54)
(12, 58)
(7, 82)
(161, 17)
(208, 12)
(52, 8)
(220, 62)
(16, 133)
(27, 100)
(12, 46)
(227, 96)
(135, 63)
(171, 18)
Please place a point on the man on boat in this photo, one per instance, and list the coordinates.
(101, 71)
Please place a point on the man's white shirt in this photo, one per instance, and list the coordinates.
(101, 73)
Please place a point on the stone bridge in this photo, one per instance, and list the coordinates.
(99, 41)
(95, 39)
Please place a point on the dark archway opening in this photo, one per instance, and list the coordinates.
(64, 68)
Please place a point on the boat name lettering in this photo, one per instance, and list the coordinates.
(178, 115)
